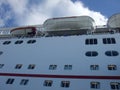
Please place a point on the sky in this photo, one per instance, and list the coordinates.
(35, 12)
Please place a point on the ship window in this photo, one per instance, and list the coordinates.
(48, 83)
(115, 85)
(91, 53)
(109, 40)
(10, 81)
(19, 42)
(95, 85)
(1, 52)
(67, 67)
(6, 42)
(111, 53)
(18, 66)
(31, 41)
(24, 82)
(31, 66)
(112, 67)
(91, 41)
(52, 67)
(94, 67)
(1, 65)
(65, 84)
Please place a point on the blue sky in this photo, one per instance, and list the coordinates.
(32, 12)
(106, 7)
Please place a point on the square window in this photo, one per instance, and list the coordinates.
(52, 67)
(31, 66)
(115, 85)
(24, 82)
(94, 67)
(109, 40)
(112, 67)
(67, 67)
(87, 41)
(65, 84)
(95, 85)
(18, 66)
(95, 41)
(113, 40)
(10, 81)
(48, 83)
(1, 66)
(91, 41)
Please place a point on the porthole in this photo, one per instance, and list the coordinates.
(19, 42)
(31, 41)
(91, 53)
(6, 42)
(111, 53)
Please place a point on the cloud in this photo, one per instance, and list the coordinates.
(1, 11)
(26, 13)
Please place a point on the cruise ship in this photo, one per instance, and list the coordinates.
(64, 53)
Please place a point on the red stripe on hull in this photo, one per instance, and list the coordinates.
(60, 76)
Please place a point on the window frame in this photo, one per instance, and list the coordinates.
(68, 67)
(31, 41)
(1, 66)
(48, 83)
(91, 53)
(31, 66)
(18, 66)
(24, 81)
(10, 81)
(111, 53)
(95, 85)
(112, 67)
(52, 67)
(19, 42)
(109, 41)
(65, 84)
(6, 42)
(94, 67)
(91, 41)
(115, 85)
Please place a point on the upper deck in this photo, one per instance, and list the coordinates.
(63, 26)
(41, 32)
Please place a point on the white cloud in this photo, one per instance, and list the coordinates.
(4, 14)
(1, 22)
(18, 6)
(27, 13)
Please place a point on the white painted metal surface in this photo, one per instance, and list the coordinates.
(34, 55)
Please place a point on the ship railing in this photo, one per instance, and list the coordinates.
(106, 31)
(5, 33)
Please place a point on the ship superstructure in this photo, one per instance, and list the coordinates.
(66, 53)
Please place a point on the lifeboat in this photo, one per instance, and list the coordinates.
(114, 21)
(23, 31)
(69, 25)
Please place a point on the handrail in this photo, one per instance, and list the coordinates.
(4, 32)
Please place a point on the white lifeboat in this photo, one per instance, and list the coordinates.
(69, 23)
(114, 21)
(75, 25)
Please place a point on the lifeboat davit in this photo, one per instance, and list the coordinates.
(23, 31)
